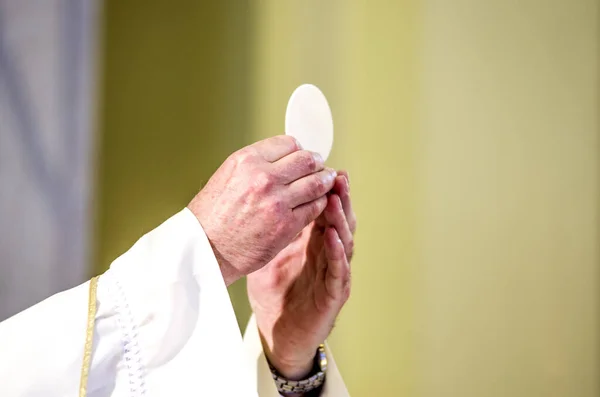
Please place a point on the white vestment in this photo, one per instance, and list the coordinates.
(164, 327)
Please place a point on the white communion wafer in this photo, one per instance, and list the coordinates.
(308, 119)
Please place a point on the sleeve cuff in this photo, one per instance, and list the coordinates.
(175, 313)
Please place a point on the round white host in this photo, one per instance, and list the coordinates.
(308, 119)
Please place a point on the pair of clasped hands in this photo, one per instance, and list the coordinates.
(274, 213)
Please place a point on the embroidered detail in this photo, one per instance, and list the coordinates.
(131, 349)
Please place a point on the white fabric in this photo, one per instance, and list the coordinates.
(164, 327)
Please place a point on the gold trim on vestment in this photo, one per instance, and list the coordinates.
(89, 337)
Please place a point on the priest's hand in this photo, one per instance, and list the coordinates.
(258, 200)
(298, 295)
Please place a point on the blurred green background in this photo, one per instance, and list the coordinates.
(471, 133)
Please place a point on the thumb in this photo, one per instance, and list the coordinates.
(337, 276)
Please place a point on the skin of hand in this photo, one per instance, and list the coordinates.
(297, 296)
(258, 200)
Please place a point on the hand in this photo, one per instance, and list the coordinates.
(259, 200)
(298, 295)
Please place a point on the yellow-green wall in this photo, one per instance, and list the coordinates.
(364, 57)
(509, 168)
(175, 104)
(471, 133)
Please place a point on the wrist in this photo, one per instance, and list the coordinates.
(292, 370)
(229, 273)
(290, 360)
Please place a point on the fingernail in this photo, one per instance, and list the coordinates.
(298, 144)
(347, 183)
(332, 173)
(318, 158)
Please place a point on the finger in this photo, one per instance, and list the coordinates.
(308, 212)
(342, 189)
(310, 187)
(337, 188)
(335, 216)
(345, 174)
(277, 147)
(298, 164)
(339, 185)
(337, 275)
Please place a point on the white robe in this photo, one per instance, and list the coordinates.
(164, 327)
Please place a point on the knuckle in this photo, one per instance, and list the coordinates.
(292, 142)
(283, 229)
(308, 161)
(309, 215)
(351, 246)
(317, 186)
(243, 157)
(316, 207)
(278, 208)
(263, 181)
